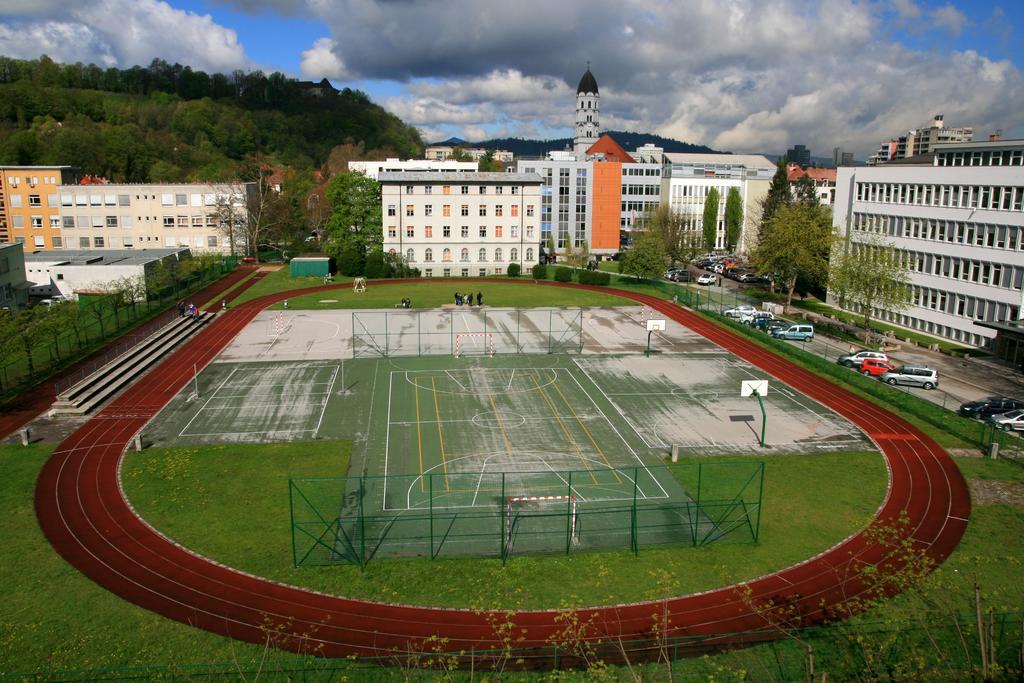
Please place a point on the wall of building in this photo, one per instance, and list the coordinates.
(606, 207)
(372, 169)
(29, 208)
(966, 257)
(147, 216)
(472, 225)
(13, 286)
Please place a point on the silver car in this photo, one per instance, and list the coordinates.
(912, 375)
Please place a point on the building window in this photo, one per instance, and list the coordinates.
(428, 210)
(410, 256)
(498, 189)
(513, 254)
(529, 253)
(168, 222)
(98, 242)
(446, 210)
(211, 240)
(54, 222)
(464, 232)
(57, 241)
(409, 210)
(447, 272)
(465, 272)
(465, 209)
(428, 189)
(429, 272)
(180, 200)
(446, 256)
(392, 231)
(529, 209)
(497, 231)
(111, 221)
(409, 189)
(497, 255)
(483, 210)
(39, 241)
(464, 255)
(483, 189)
(515, 210)
(37, 222)
(465, 189)
(428, 231)
(83, 242)
(391, 209)
(34, 200)
(446, 189)
(483, 231)
(410, 231)
(446, 231)
(515, 189)
(428, 255)
(482, 255)
(123, 200)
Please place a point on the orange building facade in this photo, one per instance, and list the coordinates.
(30, 206)
(605, 206)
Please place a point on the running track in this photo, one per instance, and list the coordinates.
(82, 510)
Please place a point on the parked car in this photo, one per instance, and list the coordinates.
(739, 311)
(992, 405)
(853, 360)
(769, 326)
(1011, 421)
(749, 277)
(706, 279)
(680, 276)
(872, 367)
(800, 332)
(734, 273)
(912, 375)
(758, 314)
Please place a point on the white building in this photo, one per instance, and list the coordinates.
(373, 169)
(146, 216)
(958, 220)
(444, 152)
(920, 141)
(63, 272)
(690, 178)
(462, 224)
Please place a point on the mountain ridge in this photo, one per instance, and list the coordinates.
(523, 147)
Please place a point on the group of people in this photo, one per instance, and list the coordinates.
(191, 310)
(467, 299)
(406, 303)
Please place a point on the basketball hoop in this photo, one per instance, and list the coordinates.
(359, 285)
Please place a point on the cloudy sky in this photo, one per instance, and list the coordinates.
(739, 75)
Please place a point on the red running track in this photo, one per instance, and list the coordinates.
(83, 511)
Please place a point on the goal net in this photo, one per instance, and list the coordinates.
(475, 343)
(540, 523)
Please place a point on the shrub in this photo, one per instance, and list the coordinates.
(513, 270)
(563, 274)
(377, 266)
(593, 277)
(540, 272)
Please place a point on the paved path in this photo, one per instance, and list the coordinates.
(34, 402)
(84, 515)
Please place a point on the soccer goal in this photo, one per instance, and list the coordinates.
(541, 523)
(475, 343)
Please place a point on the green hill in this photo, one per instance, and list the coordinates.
(169, 123)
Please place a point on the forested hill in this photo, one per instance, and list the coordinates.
(166, 122)
(629, 142)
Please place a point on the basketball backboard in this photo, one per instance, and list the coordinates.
(655, 325)
(751, 386)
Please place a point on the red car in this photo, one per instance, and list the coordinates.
(872, 367)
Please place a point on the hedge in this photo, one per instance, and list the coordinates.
(513, 270)
(563, 274)
(540, 271)
(593, 277)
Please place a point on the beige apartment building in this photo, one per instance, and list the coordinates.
(462, 224)
(201, 216)
(29, 208)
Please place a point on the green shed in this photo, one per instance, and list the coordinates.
(311, 266)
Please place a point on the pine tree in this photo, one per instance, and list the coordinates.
(733, 218)
(711, 219)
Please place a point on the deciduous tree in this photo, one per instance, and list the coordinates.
(779, 195)
(646, 258)
(869, 275)
(798, 242)
(355, 213)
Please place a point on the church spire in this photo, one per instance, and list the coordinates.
(587, 124)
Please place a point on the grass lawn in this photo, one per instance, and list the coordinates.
(53, 617)
(222, 519)
(281, 280)
(436, 293)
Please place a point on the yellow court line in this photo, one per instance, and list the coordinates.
(591, 436)
(440, 435)
(501, 424)
(565, 429)
(419, 434)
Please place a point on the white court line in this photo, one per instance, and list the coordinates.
(310, 406)
(263, 431)
(387, 441)
(187, 424)
(636, 430)
(324, 409)
(511, 377)
(587, 394)
(447, 372)
(411, 423)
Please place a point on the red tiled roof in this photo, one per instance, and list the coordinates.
(611, 150)
(794, 172)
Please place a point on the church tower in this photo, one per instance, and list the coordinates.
(586, 113)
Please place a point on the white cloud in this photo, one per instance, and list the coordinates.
(321, 61)
(120, 32)
(948, 18)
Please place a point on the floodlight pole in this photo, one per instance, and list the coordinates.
(764, 415)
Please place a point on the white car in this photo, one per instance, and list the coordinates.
(740, 311)
(706, 279)
(748, 318)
